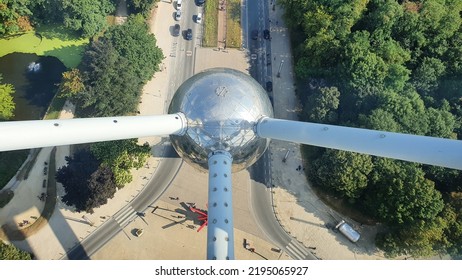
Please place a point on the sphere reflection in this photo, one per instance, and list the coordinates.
(222, 107)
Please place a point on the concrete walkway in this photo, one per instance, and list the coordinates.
(221, 24)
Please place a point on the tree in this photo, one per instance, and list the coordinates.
(345, 172)
(364, 70)
(10, 252)
(121, 156)
(14, 16)
(88, 17)
(380, 119)
(418, 240)
(141, 6)
(111, 86)
(321, 106)
(6, 101)
(71, 83)
(134, 42)
(407, 109)
(87, 184)
(427, 75)
(400, 194)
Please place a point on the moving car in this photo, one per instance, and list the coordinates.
(188, 35)
(176, 30)
(266, 34)
(199, 18)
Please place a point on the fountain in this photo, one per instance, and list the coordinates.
(34, 67)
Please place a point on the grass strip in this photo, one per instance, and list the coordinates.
(233, 24)
(210, 23)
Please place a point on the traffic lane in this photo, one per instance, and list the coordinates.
(165, 173)
(96, 240)
(263, 211)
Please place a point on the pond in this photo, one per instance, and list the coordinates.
(35, 79)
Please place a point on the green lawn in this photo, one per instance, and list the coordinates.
(233, 24)
(210, 23)
(47, 40)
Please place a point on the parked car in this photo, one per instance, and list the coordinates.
(188, 35)
(178, 4)
(266, 34)
(199, 18)
(178, 15)
(139, 232)
(200, 2)
(176, 30)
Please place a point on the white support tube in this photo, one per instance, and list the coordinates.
(17, 135)
(421, 149)
(220, 229)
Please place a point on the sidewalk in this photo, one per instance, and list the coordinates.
(301, 213)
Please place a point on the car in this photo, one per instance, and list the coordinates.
(176, 30)
(178, 15)
(266, 34)
(139, 232)
(269, 86)
(188, 35)
(178, 4)
(254, 34)
(200, 2)
(199, 18)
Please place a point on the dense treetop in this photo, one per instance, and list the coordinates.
(6, 101)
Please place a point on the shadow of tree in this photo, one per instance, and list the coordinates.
(57, 31)
(70, 56)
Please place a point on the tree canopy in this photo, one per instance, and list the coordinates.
(14, 16)
(86, 17)
(115, 67)
(121, 156)
(88, 185)
(7, 104)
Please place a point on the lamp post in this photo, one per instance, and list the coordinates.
(280, 67)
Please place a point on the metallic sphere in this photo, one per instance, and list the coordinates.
(222, 107)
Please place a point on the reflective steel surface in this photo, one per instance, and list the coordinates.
(222, 107)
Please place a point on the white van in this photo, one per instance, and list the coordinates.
(178, 4)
